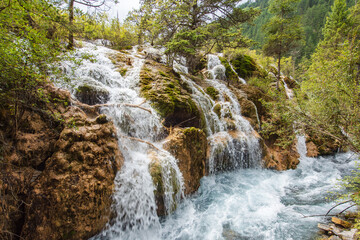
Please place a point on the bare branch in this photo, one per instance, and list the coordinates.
(142, 141)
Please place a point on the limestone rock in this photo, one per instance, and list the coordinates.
(92, 95)
(71, 198)
(166, 182)
(170, 96)
(320, 144)
(189, 146)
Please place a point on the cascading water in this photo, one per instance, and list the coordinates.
(238, 147)
(260, 204)
(247, 203)
(134, 200)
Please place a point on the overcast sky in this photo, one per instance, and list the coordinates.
(123, 7)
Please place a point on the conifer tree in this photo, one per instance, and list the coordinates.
(283, 31)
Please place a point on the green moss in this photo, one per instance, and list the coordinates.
(163, 74)
(213, 93)
(230, 74)
(123, 71)
(244, 66)
(167, 94)
(217, 109)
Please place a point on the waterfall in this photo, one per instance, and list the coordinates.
(232, 140)
(288, 91)
(134, 200)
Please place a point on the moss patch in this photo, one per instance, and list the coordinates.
(169, 95)
(244, 65)
(213, 93)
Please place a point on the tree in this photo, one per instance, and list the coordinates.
(283, 31)
(190, 27)
(88, 3)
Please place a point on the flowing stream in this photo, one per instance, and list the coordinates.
(247, 202)
(260, 204)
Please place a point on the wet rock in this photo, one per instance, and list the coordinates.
(170, 96)
(232, 150)
(91, 95)
(167, 186)
(280, 159)
(341, 222)
(71, 199)
(189, 146)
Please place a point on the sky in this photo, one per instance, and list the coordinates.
(123, 7)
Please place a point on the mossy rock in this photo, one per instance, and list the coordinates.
(229, 73)
(169, 95)
(156, 172)
(244, 66)
(189, 146)
(91, 95)
(213, 93)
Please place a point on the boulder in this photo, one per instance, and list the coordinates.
(71, 198)
(167, 183)
(232, 150)
(189, 146)
(91, 95)
(170, 96)
(320, 144)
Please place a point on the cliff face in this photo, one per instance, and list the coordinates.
(58, 171)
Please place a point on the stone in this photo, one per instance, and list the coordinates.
(341, 222)
(170, 96)
(334, 237)
(91, 95)
(348, 235)
(189, 146)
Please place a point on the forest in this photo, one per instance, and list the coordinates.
(264, 47)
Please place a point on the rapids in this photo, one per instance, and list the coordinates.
(260, 204)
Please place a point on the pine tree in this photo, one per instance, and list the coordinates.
(283, 31)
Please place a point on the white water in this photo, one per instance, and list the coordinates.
(247, 203)
(260, 204)
(237, 149)
(134, 201)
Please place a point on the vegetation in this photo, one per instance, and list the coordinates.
(283, 32)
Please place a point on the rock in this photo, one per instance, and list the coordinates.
(91, 95)
(320, 143)
(334, 237)
(324, 227)
(170, 96)
(189, 146)
(312, 149)
(348, 235)
(153, 55)
(71, 199)
(167, 184)
(341, 222)
(275, 157)
(229, 151)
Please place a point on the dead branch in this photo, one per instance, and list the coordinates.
(178, 125)
(96, 107)
(142, 141)
(337, 205)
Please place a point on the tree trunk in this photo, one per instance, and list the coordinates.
(71, 20)
(279, 70)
